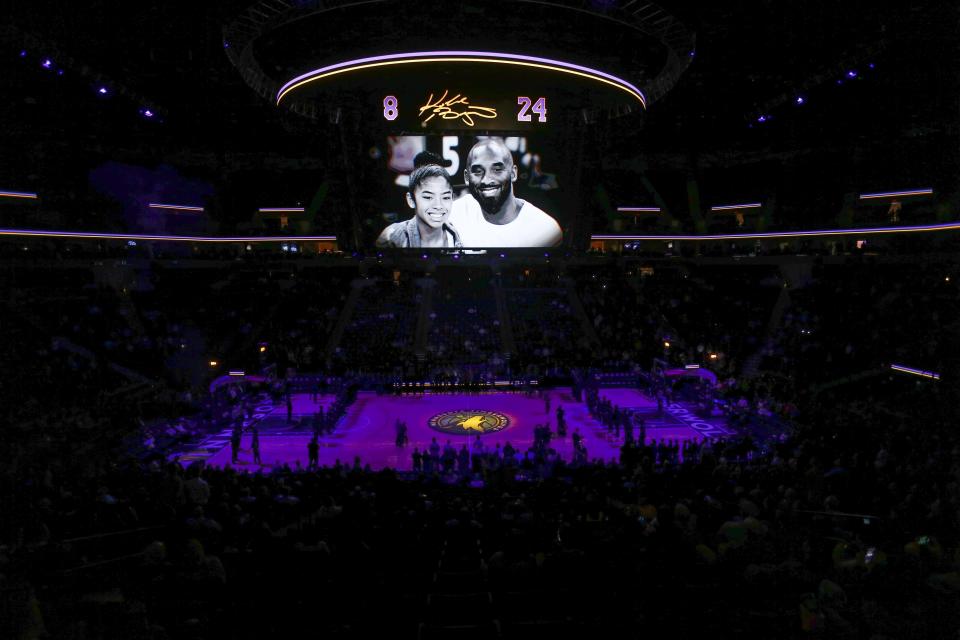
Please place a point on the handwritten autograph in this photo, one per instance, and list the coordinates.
(444, 107)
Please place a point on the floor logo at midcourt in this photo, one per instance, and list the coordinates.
(469, 422)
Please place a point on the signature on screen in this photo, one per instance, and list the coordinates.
(456, 108)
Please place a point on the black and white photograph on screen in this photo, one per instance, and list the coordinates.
(491, 215)
(430, 195)
(486, 211)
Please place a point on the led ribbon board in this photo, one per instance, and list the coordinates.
(461, 90)
(916, 372)
(947, 226)
(18, 194)
(88, 235)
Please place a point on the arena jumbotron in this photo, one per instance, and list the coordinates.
(499, 320)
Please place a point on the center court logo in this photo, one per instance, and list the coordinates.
(469, 422)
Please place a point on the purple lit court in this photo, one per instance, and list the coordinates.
(367, 430)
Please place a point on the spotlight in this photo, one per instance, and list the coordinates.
(23, 53)
(263, 348)
(800, 100)
(146, 113)
(666, 344)
(47, 63)
(102, 91)
(762, 119)
(213, 363)
(852, 73)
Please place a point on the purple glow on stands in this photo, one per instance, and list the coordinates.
(917, 372)
(18, 194)
(80, 235)
(461, 56)
(728, 207)
(945, 226)
(896, 194)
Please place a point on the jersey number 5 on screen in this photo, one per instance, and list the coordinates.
(391, 109)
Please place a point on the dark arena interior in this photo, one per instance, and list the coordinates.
(517, 319)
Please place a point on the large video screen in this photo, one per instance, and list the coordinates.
(470, 192)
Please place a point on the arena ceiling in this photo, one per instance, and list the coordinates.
(736, 102)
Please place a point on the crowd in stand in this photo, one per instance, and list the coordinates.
(825, 533)
(846, 527)
(679, 314)
(852, 318)
(464, 323)
(169, 321)
(380, 332)
(628, 328)
(543, 324)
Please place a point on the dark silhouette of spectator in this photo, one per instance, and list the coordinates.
(235, 441)
(255, 445)
(313, 454)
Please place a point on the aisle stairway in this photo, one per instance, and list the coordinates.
(576, 305)
(426, 286)
(346, 314)
(506, 326)
(751, 366)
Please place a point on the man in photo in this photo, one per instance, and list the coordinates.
(492, 216)
(430, 195)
